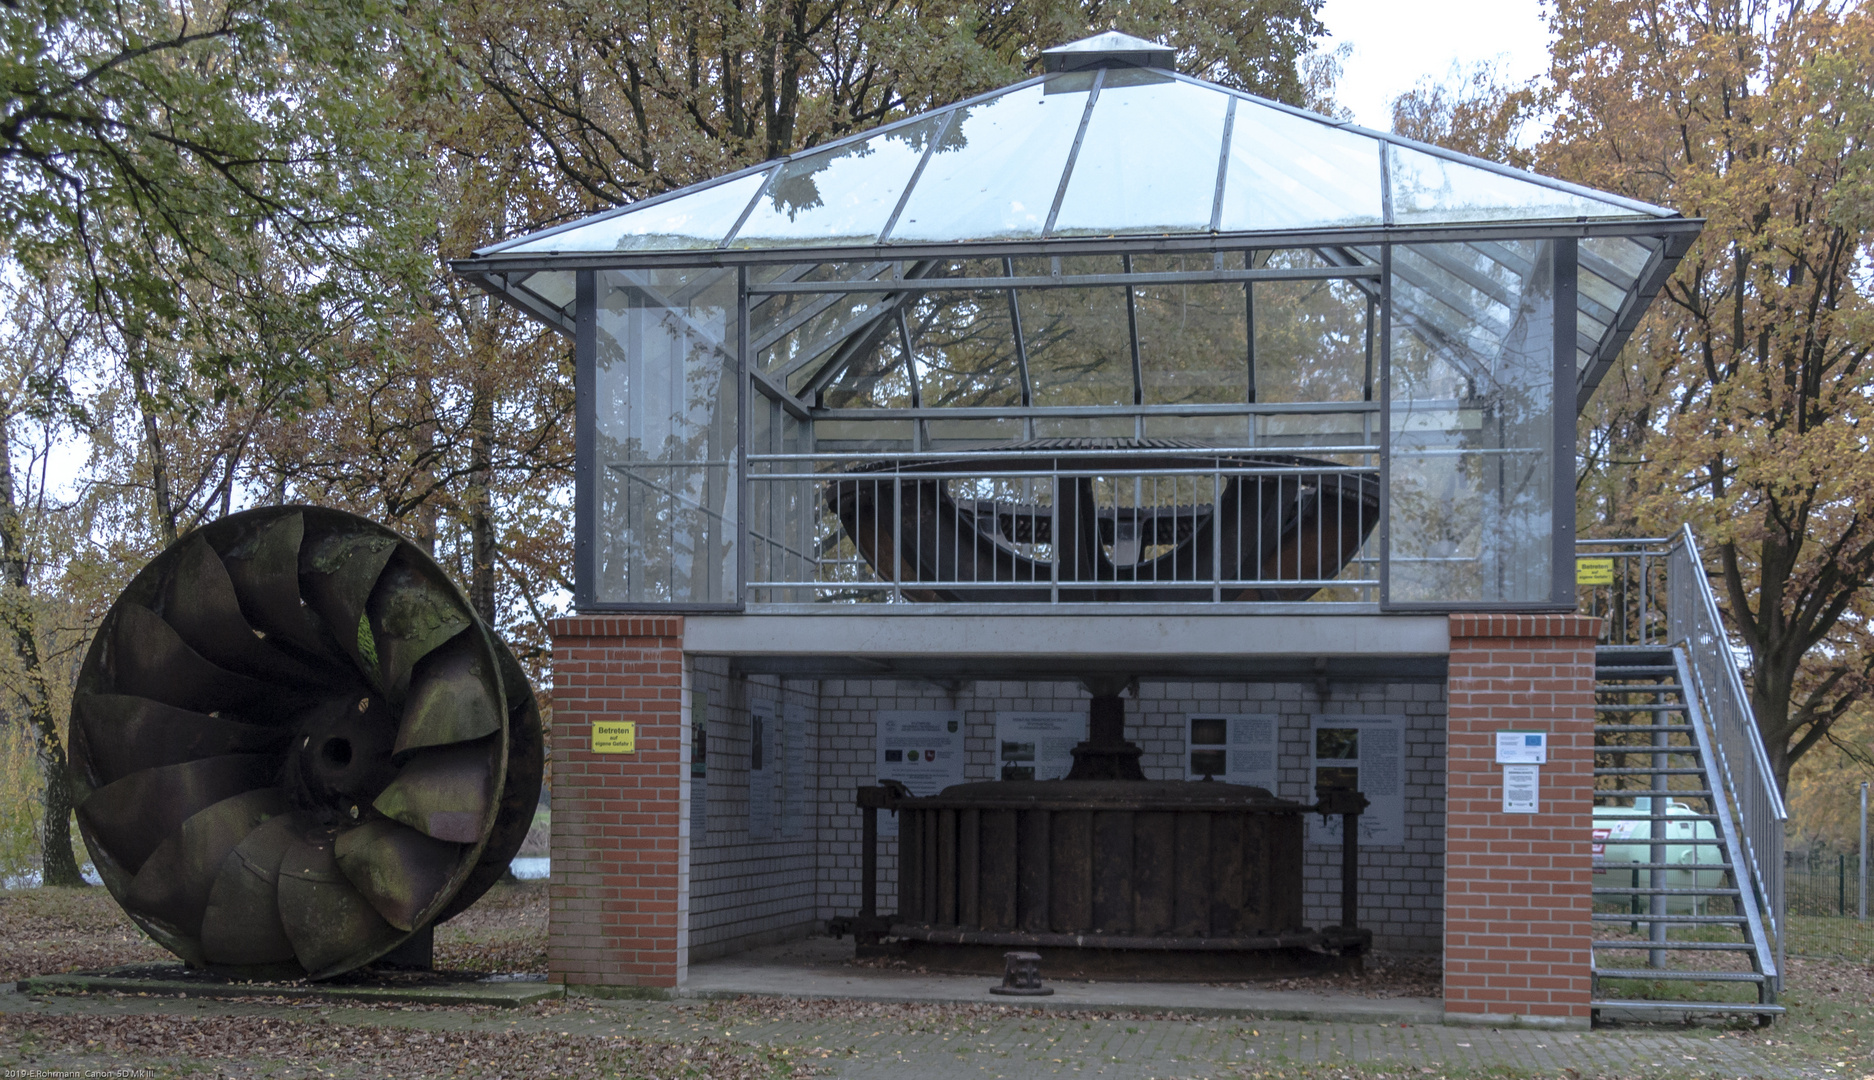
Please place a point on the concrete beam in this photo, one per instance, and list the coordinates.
(1076, 636)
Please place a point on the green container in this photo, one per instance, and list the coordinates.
(1624, 835)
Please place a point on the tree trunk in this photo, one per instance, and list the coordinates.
(56, 864)
(480, 499)
(164, 502)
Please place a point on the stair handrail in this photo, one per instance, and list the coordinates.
(1697, 623)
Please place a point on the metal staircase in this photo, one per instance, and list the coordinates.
(1689, 922)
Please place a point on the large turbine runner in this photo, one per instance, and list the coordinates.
(294, 746)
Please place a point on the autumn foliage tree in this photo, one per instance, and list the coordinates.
(1745, 401)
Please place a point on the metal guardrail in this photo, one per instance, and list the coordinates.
(1659, 594)
(1049, 527)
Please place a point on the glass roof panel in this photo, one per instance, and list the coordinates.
(556, 287)
(699, 219)
(841, 195)
(1431, 190)
(995, 171)
(1289, 172)
(1148, 162)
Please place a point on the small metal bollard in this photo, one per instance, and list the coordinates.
(1021, 975)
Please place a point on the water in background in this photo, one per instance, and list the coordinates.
(531, 868)
(30, 879)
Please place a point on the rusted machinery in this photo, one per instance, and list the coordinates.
(1197, 516)
(295, 748)
(1108, 876)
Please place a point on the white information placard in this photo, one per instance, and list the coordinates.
(794, 763)
(1365, 754)
(1036, 745)
(764, 727)
(1237, 748)
(1522, 748)
(921, 749)
(1522, 789)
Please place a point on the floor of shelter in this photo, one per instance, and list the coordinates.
(821, 968)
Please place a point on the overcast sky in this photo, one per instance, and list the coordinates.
(1397, 42)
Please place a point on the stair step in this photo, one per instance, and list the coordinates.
(1689, 793)
(1690, 1006)
(1623, 771)
(1682, 976)
(1616, 891)
(1677, 946)
(1640, 916)
(1668, 865)
(1636, 729)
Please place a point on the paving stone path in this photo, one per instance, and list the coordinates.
(987, 1044)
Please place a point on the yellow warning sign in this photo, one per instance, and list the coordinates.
(1594, 571)
(615, 737)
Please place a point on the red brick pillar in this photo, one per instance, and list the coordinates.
(1517, 903)
(616, 898)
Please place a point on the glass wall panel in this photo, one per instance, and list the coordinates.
(876, 378)
(1313, 340)
(666, 437)
(783, 513)
(965, 349)
(1193, 338)
(1079, 345)
(1473, 424)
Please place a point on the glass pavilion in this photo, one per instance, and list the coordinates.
(1112, 333)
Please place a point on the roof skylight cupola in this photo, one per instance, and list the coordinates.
(1111, 49)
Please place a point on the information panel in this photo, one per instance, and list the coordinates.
(1037, 745)
(1365, 754)
(921, 749)
(1237, 748)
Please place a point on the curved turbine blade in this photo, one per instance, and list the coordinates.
(453, 698)
(399, 870)
(174, 882)
(326, 919)
(200, 604)
(116, 735)
(262, 560)
(133, 816)
(411, 614)
(520, 798)
(337, 571)
(446, 793)
(241, 922)
(149, 659)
